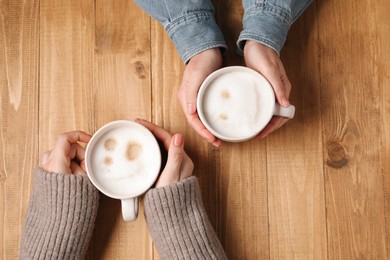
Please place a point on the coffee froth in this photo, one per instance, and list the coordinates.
(232, 104)
(122, 159)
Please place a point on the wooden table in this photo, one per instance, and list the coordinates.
(319, 188)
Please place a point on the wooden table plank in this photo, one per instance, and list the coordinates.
(66, 68)
(350, 100)
(121, 91)
(167, 71)
(383, 73)
(294, 154)
(241, 169)
(19, 75)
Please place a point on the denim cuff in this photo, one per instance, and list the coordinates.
(266, 24)
(194, 33)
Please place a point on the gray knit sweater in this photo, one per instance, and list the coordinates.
(178, 222)
(63, 208)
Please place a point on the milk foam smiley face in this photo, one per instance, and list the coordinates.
(123, 160)
(236, 103)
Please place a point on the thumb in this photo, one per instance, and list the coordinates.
(192, 86)
(171, 173)
(274, 76)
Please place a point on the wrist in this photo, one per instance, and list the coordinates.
(213, 57)
(261, 46)
(213, 53)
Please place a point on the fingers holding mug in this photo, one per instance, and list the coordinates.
(179, 165)
(66, 151)
(171, 172)
(123, 160)
(275, 123)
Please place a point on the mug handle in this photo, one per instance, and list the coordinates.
(130, 209)
(288, 112)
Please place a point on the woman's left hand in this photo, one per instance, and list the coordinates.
(67, 155)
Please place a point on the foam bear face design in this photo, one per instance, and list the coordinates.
(133, 150)
(123, 159)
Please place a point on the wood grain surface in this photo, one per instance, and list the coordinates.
(383, 75)
(318, 188)
(296, 195)
(352, 132)
(241, 169)
(19, 102)
(122, 90)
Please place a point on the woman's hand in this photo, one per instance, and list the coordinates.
(67, 155)
(179, 166)
(266, 61)
(197, 70)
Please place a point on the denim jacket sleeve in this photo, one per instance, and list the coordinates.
(190, 24)
(268, 21)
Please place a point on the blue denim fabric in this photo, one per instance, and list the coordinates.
(268, 21)
(190, 24)
(192, 27)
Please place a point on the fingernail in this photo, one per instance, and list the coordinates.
(178, 140)
(216, 144)
(137, 120)
(190, 108)
(206, 135)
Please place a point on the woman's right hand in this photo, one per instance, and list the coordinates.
(197, 70)
(179, 166)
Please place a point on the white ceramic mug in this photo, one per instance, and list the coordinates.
(236, 103)
(123, 160)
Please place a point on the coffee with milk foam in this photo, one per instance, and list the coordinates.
(123, 160)
(232, 104)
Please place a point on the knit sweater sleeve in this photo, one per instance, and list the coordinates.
(60, 217)
(178, 222)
